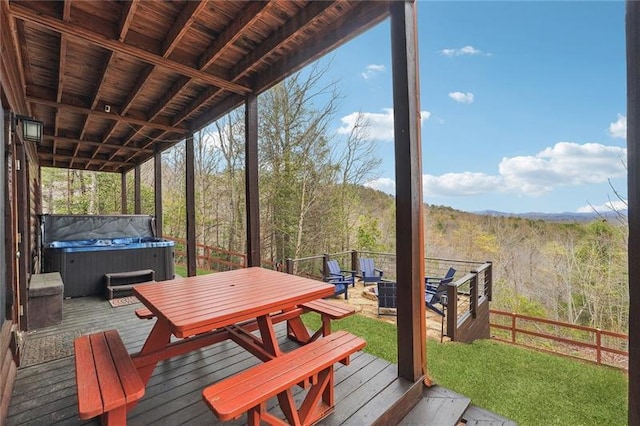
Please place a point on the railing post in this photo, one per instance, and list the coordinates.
(452, 311)
(354, 260)
(513, 327)
(598, 346)
(325, 268)
(289, 262)
(489, 281)
(473, 294)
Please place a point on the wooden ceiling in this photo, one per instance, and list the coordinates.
(116, 81)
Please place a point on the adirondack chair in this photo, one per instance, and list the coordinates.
(370, 274)
(433, 295)
(432, 283)
(340, 278)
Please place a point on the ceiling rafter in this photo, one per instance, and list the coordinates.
(96, 143)
(62, 27)
(69, 157)
(247, 17)
(182, 24)
(312, 11)
(125, 22)
(128, 10)
(178, 30)
(108, 115)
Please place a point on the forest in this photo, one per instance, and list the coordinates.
(313, 200)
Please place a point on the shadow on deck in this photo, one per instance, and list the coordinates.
(45, 393)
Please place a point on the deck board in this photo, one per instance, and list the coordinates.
(173, 395)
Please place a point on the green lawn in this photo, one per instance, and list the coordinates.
(532, 388)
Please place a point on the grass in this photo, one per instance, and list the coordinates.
(529, 387)
(182, 271)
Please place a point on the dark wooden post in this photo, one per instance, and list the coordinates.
(633, 187)
(354, 261)
(23, 233)
(123, 192)
(289, 265)
(452, 311)
(137, 184)
(488, 276)
(191, 206)
(473, 296)
(409, 202)
(251, 180)
(157, 183)
(325, 268)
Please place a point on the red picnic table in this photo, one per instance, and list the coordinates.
(206, 309)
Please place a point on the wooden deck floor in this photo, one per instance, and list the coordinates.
(45, 393)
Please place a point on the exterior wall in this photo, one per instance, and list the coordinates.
(3, 266)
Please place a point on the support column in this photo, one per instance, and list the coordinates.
(191, 206)
(409, 202)
(251, 180)
(137, 184)
(123, 192)
(157, 184)
(633, 184)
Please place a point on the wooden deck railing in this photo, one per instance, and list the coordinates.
(576, 341)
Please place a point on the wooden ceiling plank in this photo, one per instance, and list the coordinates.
(280, 36)
(109, 116)
(248, 16)
(350, 25)
(27, 76)
(85, 35)
(167, 97)
(128, 11)
(232, 32)
(182, 24)
(297, 23)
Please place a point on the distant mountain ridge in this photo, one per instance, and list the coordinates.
(558, 217)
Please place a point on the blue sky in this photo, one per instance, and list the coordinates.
(524, 103)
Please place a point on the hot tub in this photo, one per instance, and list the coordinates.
(83, 263)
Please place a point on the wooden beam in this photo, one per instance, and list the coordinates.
(157, 191)
(107, 115)
(128, 11)
(633, 191)
(97, 144)
(84, 35)
(305, 17)
(192, 254)
(182, 24)
(68, 157)
(251, 181)
(249, 15)
(409, 199)
(363, 16)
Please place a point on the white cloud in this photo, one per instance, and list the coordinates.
(564, 164)
(371, 70)
(617, 206)
(618, 129)
(463, 98)
(380, 125)
(460, 184)
(383, 184)
(464, 51)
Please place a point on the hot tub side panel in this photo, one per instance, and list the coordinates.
(83, 271)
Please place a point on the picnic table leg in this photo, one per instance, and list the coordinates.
(159, 337)
(297, 330)
(268, 335)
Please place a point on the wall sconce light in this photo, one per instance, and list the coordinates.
(31, 128)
